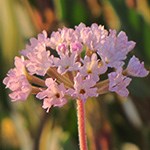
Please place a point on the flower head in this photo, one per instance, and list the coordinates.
(70, 64)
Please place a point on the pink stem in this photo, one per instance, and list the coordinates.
(81, 125)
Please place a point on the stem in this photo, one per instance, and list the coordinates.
(52, 72)
(81, 125)
(35, 80)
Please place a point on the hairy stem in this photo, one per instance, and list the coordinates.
(81, 125)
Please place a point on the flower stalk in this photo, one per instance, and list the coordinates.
(81, 125)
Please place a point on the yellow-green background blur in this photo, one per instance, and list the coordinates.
(113, 123)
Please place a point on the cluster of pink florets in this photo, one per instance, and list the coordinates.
(70, 63)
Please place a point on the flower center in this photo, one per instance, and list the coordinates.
(82, 91)
(67, 67)
(89, 71)
(57, 95)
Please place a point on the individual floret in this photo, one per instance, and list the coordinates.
(83, 88)
(53, 95)
(135, 68)
(67, 63)
(118, 83)
(91, 66)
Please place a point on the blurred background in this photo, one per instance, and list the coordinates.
(113, 123)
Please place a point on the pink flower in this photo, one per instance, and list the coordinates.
(17, 82)
(42, 40)
(53, 95)
(61, 39)
(39, 61)
(83, 88)
(99, 36)
(118, 83)
(92, 37)
(91, 67)
(115, 49)
(135, 68)
(67, 63)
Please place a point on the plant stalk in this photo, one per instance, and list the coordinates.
(81, 125)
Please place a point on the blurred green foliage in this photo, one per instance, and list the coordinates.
(112, 122)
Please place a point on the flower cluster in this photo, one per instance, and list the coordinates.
(70, 63)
